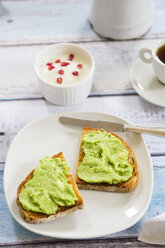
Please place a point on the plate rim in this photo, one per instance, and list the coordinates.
(137, 89)
(24, 224)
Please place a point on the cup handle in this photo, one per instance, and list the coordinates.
(142, 54)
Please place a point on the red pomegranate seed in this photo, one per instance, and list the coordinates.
(64, 63)
(58, 61)
(71, 56)
(48, 64)
(75, 73)
(61, 72)
(51, 67)
(79, 66)
(59, 80)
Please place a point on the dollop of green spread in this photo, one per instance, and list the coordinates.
(105, 159)
(49, 188)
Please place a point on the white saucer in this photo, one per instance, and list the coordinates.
(146, 84)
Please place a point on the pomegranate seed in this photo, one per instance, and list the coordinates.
(61, 72)
(71, 56)
(58, 61)
(75, 73)
(51, 67)
(48, 64)
(79, 66)
(64, 63)
(59, 80)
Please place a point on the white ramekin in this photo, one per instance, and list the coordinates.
(64, 94)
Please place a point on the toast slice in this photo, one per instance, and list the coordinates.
(36, 218)
(126, 186)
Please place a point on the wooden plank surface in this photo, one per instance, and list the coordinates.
(112, 74)
(26, 27)
(108, 243)
(119, 243)
(16, 114)
(18, 235)
(47, 21)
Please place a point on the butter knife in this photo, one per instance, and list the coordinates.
(112, 126)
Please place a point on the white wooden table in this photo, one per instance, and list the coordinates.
(25, 28)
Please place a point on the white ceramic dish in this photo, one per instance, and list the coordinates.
(62, 94)
(146, 84)
(104, 212)
(126, 19)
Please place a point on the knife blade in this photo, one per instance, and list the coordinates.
(112, 126)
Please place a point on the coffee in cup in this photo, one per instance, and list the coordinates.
(156, 56)
(161, 53)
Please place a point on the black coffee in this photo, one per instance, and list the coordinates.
(161, 53)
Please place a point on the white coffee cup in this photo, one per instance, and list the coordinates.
(149, 55)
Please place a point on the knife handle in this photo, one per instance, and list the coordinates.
(153, 130)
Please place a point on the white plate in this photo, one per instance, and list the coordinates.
(146, 84)
(104, 212)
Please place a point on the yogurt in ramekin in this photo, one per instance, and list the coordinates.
(65, 69)
(65, 73)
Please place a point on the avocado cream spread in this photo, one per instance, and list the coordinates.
(105, 159)
(49, 188)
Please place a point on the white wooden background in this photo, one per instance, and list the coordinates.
(27, 26)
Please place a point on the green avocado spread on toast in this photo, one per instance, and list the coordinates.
(105, 159)
(49, 188)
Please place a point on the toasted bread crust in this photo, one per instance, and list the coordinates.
(126, 186)
(36, 218)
